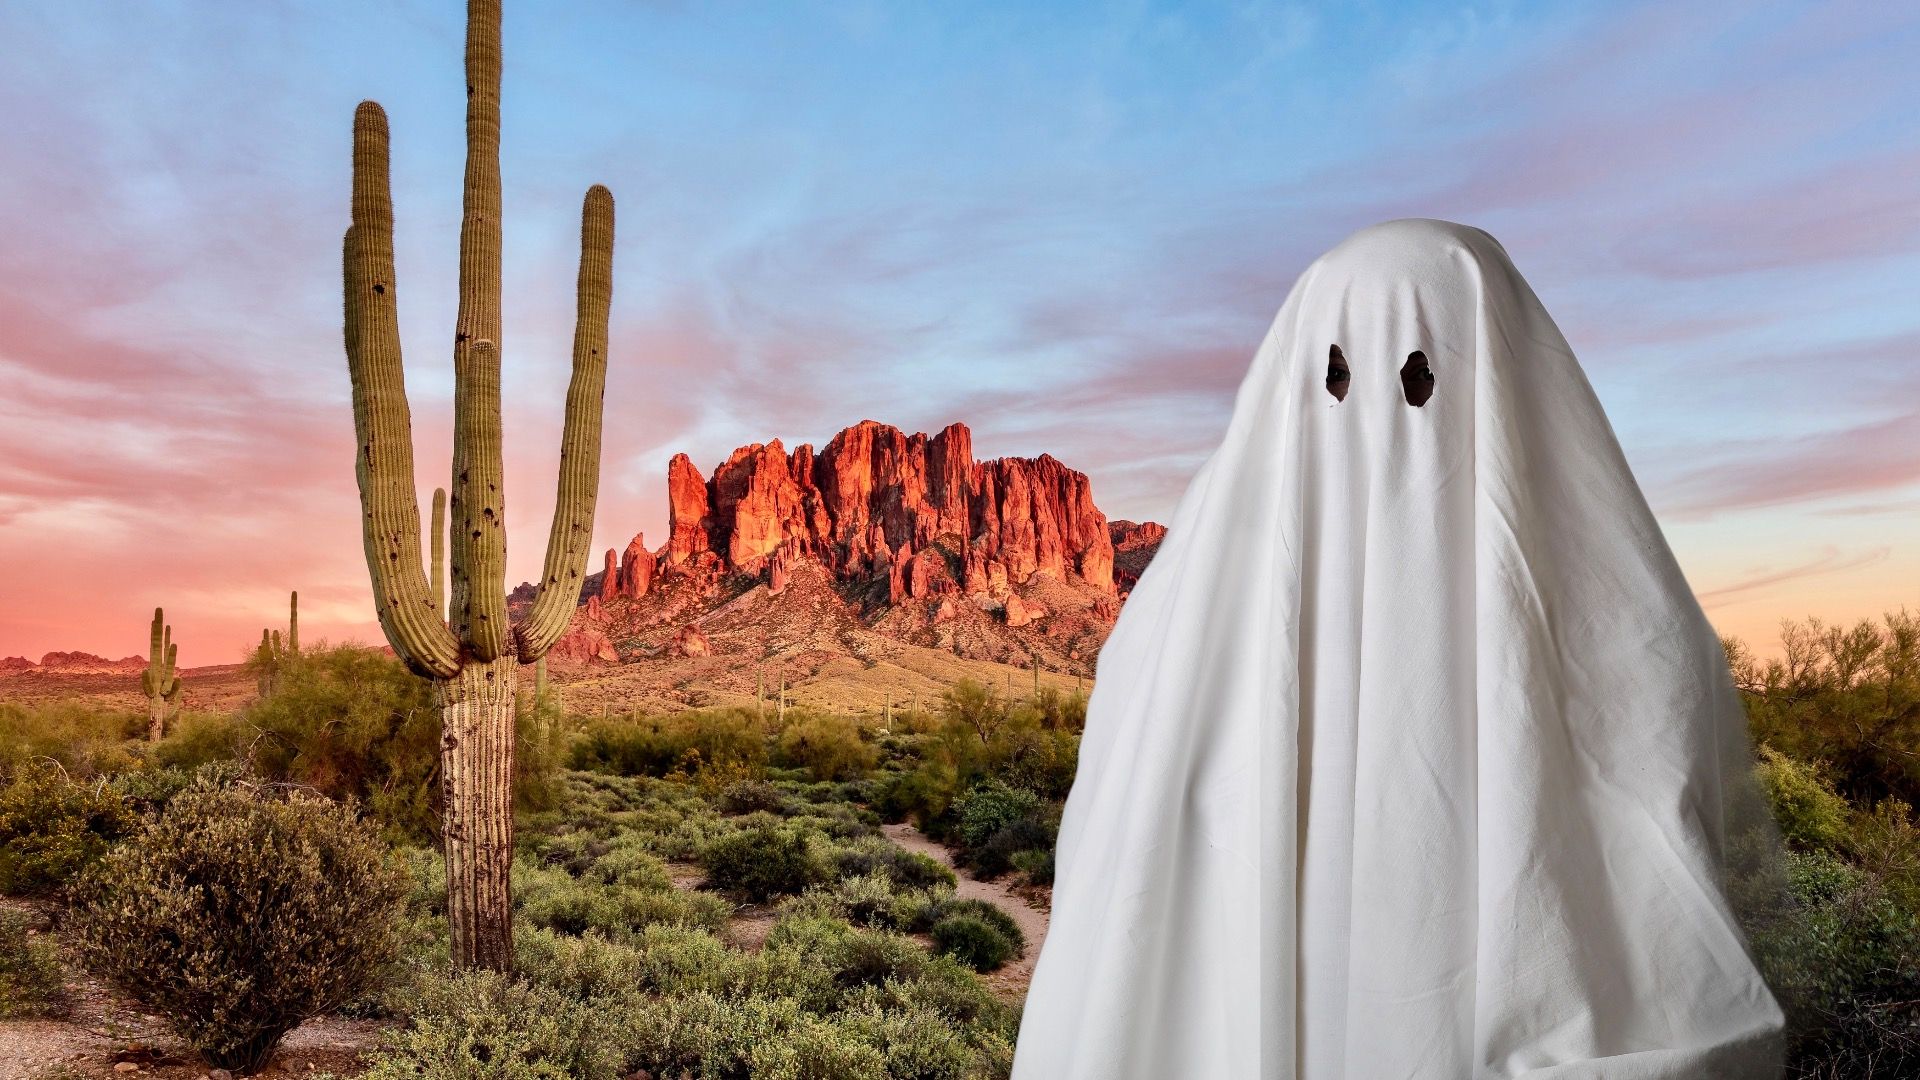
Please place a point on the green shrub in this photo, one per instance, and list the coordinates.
(989, 807)
(84, 741)
(1036, 864)
(657, 746)
(1844, 961)
(905, 869)
(52, 828)
(828, 747)
(868, 900)
(354, 723)
(148, 791)
(999, 854)
(484, 1025)
(236, 916)
(749, 796)
(992, 914)
(974, 941)
(1811, 815)
(31, 982)
(556, 901)
(762, 861)
(1885, 842)
(197, 739)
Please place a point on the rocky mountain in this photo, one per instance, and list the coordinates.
(70, 663)
(878, 533)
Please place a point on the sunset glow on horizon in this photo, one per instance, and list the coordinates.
(1066, 229)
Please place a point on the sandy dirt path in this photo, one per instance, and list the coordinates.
(1013, 978)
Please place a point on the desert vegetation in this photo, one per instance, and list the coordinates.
(706, 894)
(712, 893)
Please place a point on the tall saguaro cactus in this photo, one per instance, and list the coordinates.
(473, 651)
(159, 682)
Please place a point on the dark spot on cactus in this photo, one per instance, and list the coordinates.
(379, 290)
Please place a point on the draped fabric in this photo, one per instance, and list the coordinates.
(1411, 753)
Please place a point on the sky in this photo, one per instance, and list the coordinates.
(1066, 225)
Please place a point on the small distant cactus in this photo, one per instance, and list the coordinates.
(159, 682)
(272, 658)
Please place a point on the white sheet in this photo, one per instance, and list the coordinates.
(1407, 757)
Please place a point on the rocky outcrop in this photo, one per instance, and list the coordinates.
(1133, 546)
(584, 644)
(690, 641)
(630, 575)
(915, 513)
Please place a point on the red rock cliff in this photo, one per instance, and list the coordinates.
(914, 511)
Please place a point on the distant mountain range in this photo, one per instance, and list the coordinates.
(878, 535)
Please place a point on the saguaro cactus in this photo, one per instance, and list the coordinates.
(158, 682)
(439, 541)
(293, 625)
(474, 655)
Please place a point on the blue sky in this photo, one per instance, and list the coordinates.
(1066, 225)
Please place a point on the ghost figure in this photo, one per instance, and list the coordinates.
(1411, 754)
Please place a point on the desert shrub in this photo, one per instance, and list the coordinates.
(659, 959)
(828, 747)
(236, 916)
(148, 791)
(1062, 711)
(749, 796)
(1844, 961)
(868, 900)
(196, 739)
(31, 983)
(1885, 843)
(975, 708)
(905, 869)
(973, 941)
(83, 740)
(1037, 865)
(752, 1038)
(353, 723)
(989, 807)
(483, 1024)
(52, 828)
(1810, 813)
(923, 1044)
(992, 914)
(1028, 754)
(1847, 698)
(1021, 837)
(725, 739)
(557, 901)
(762, 861)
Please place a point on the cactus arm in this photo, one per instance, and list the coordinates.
(439, 545)
(157, 641)
(579, 483)
(382, 423)
(479, 547)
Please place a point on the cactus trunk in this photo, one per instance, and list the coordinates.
(459, 634)
(293, 626)
(476, 785)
